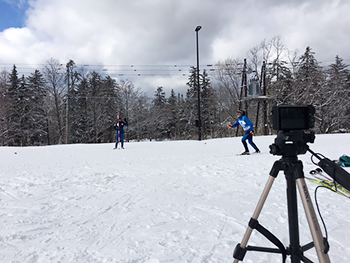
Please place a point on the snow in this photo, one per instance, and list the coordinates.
(175, 201)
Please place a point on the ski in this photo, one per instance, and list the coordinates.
(247, 154)
(116, 148)
(321, 179)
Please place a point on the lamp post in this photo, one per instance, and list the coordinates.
(198, 89)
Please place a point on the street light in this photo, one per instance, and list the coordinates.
(198, 89)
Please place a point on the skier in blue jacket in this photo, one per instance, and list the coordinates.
(119, 127)
(248, 128)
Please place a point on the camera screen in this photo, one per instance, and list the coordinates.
(293, 118)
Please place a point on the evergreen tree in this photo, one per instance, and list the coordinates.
(183, 120)
(37, 109)
(335, 104)
(159, 100)
(4, 107)
(281, 82)
(208, 103)
(95, 107)
(72, 79)
(309, 79)
(159, 116)
(208, 106)
(23, 109)
(13, 111)
(191, 105)
(173, 121)
(308, 88)
(80, 127)
(139, 118)
(110, 103)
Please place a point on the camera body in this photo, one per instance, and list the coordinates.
(291, 118)
(291, 122)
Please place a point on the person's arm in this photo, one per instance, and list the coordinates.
(234, 125)
(126, 122)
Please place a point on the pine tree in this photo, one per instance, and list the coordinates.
(191, 105)
(139, 118)
(80, 126)
(173, 121)
(208, 106)
(336, 105)
(36, 94)
(4, 107)
(72, 79)
(110, 103)
(281, 82)
(96, 117)
(13, 111)
(24, 109)
(309, 79)
(159, 115)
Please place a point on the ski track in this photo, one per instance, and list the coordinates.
(186, 201)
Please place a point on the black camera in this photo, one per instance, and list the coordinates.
(289, 118)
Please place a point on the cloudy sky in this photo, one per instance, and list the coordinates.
(145, 40)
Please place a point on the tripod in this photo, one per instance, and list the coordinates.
(293, 170)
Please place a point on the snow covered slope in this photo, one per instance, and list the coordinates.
(177, 201)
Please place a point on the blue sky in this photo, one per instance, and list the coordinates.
(12, 14)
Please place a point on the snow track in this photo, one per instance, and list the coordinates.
(184, 201)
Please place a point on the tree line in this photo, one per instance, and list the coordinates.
(63, 104)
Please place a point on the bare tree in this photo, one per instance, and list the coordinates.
(132, 106)
(54, 74)
(228, 77)
(262, 52)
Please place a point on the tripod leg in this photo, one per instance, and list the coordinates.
(256, 214)
(312, 220)
(293, 212)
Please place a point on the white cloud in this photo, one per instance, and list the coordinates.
(158, 32)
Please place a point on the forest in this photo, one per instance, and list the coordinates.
(59, 103)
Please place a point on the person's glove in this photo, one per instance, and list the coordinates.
(230, 126)
(125, 120)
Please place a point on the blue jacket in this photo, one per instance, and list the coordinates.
(119, 126)
(246, 124)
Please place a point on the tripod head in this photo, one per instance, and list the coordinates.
(292, 143)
